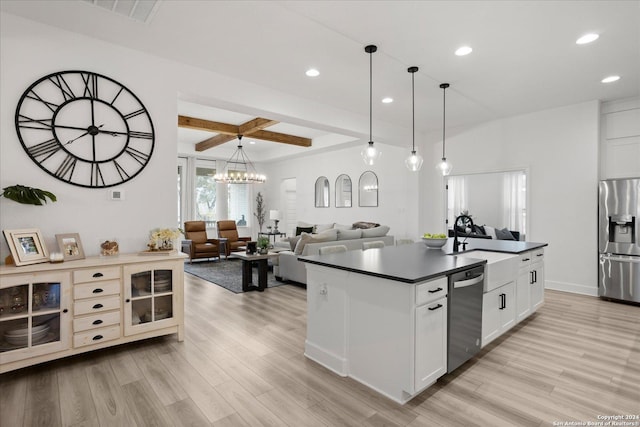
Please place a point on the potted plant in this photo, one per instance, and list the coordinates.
(263, 245)
(260, 212)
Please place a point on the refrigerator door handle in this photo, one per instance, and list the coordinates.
(619, 259)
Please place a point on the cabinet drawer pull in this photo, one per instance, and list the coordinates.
(98, 290)
(97, 322)
(435, 290)
(540, 255)
(525, 259)
(436, 307)
(98, 275)
(97, 337)
(503, 302)
(98, 306)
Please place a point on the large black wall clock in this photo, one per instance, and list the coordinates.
(85, 129)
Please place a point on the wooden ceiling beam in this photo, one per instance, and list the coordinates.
(207, 125)
(246, 129)
(283, 138)
(214, 141)
(227, 132)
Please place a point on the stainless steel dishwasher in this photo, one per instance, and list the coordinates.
(464, 321)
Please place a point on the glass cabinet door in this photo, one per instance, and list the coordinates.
(34, 316)
(150, 298)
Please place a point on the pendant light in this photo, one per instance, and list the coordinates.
(414, 161)
(444, 166)
(239, 169)
(371, 153)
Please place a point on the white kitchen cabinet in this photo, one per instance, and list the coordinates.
(49, 311)
(530, 283)
(498, 312)
(430, 342)
(35, 316)
(536, 291)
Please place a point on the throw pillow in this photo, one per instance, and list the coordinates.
(478, 229)
(364, 224)
(490, 231)
(504, 234)
(342, 226)
(293, 241)
(300, 230)
(323, 227)
(379, 231)
(327, 236)
(349, 234)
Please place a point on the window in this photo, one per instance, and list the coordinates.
(202, 199)
(205, 192)
(238, 203)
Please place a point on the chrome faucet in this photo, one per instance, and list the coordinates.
(456, 243)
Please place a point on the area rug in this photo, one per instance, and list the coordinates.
(226, 273)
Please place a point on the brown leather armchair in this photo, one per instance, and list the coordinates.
(201, 246)
(227, 229)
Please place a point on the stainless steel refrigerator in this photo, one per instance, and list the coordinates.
(619, 240)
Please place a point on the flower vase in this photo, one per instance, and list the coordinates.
(165, 244)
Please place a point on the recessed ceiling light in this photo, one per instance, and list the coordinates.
(610, 79)
(387, 100)
(312, 72)
(587, 38)
(464, 50)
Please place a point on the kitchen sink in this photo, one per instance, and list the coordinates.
(501, 268)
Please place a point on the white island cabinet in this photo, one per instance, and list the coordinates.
(50, 311)
(386, 334)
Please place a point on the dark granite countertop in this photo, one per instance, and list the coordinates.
(415, 263)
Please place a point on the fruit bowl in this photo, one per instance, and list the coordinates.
(434, 243)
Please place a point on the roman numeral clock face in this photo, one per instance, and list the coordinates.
(85, 129)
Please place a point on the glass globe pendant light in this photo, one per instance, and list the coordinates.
(414, 161)
(444, 166)
(370, 154)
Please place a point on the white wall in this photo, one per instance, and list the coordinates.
(30, 50)
(559, 147)
(397, 204)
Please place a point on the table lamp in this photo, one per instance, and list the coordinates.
(275, 216)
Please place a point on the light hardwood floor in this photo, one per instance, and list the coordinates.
(242, 364)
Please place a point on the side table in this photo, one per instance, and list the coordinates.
(272, 233)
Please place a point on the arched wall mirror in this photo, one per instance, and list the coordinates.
(343, 191)
(495, 199)
(322, 192)
(368, 189)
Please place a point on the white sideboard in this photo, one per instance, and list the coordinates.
(49, 311)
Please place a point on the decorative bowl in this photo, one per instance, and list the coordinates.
(434, 243)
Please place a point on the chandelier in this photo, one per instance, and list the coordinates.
(239, 169)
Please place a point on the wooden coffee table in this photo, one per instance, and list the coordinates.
(247, 273)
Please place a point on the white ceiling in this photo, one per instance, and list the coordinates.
(524, 59)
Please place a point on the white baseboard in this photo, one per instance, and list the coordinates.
(329, 360)
(571, 287)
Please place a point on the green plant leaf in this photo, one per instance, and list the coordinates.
(27, 195)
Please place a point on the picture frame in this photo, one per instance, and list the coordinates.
(27, 246)
(70, 245)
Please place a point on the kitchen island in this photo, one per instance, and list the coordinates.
(380, 315)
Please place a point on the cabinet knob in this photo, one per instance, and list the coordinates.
(98, 275)
(127, 300)
(65, 311)
(98, 306)
(97, 290)
(433, 291)
(436, 307)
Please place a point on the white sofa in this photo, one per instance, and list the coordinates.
(287, 266)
